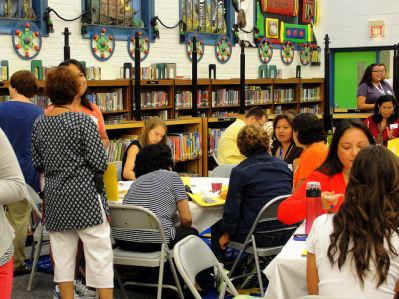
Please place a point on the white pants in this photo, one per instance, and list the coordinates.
(98, 254)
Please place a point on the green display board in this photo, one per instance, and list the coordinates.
(348, 71)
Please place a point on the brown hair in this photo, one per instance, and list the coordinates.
(369, 216)
(25, 83)
(252, 140)
(257, 112)
(61, 85)
(289, 117)
(149, 125)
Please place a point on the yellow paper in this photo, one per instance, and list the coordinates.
(304, 252)
(111, 182)
(216, 201)
(393, 146)
(186, 181)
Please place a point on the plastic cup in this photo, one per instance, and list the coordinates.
(216, 187)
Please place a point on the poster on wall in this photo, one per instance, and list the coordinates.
(280, 7)
(308, 11)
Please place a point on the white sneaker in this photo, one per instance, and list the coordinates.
(83, 291)
(57, 294)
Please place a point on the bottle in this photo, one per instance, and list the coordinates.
(313, 204)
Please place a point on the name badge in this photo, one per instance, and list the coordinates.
(393, 126)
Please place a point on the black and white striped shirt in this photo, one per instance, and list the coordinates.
(159, 191)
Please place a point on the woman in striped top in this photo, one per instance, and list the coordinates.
(160, 190)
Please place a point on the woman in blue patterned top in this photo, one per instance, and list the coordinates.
(67, 148)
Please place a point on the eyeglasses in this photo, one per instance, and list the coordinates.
(377, 71)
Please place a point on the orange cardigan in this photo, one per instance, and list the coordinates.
(293, 209)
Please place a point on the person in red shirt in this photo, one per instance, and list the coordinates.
(350, 136)
(384, 123)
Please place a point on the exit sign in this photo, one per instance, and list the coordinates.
(376, 29)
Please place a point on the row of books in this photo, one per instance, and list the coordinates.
(224, 97)
(185, 145)
(255, 95)
(41, 101)
(310, 109)
(108, 101)
(310, 94)
(281, 95)
(154, 99)
(117, 147)
(116, 118)
(214, 136)
(184, 99)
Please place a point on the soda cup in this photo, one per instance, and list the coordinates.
(313, 204)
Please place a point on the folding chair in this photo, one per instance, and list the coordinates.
(129, 217)
(267, 213)
(223, 171)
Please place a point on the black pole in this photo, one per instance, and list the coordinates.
(137, 87)
(395, 69)
(194, 75)
(67, 49)
(327, 107)
(242, 79)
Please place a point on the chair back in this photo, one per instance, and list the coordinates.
(223, 171)
(214, 156)
(119, 171)
(33, 198)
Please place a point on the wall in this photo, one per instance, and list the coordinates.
(166, 49)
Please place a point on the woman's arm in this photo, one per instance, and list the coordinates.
(312, 277)
(94, 151)
(104, 139)
(361, 103)
(128, 172)
(184, 213)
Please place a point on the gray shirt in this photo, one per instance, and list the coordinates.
(373, 93)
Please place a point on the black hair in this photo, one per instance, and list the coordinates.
(377, 117)
(309, 128)
(332, 165)
(153, 157)
(257, 112)
(83, 99)
(367, 75)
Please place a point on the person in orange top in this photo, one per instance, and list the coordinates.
(308, 133)
(349, 138)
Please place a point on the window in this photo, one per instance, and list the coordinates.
(14, 11)
(121, 16)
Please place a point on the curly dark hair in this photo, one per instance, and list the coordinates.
(25, 83)
(332, 165)
(61, 86)
(252, 140)
(309, 128)
(367, 75)
(377, 117)
(153, 157)
(369, 216)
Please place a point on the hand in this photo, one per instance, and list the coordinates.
(224, 240)
(329, 199)
(390, 134)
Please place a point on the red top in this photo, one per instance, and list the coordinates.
(373, 127)
(293, 209)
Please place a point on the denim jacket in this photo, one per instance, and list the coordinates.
(253, 183)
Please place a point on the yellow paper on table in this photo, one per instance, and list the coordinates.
(186, 181)
(208, 202)
(111, 182)
(393, 146)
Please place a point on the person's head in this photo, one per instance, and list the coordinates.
(154, 132)
(282, 127)
(255, 116)
(62, 86)
(350, 136)
(371, 75)
(386, 107)
(153, 157)
(77, 68)
(252, 140)
(383, 69)
(369, 215)
(23, 83)
(307, 129)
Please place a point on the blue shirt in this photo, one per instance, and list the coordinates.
(16, 120)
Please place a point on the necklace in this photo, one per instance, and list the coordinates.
(60, 106)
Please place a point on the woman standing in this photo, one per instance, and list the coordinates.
(66, 147)
(384, 123)
(371, 87)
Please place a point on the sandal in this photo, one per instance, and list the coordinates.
(23, 270)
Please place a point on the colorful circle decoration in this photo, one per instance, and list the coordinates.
(200, 47)
(265, 49)
(102, 43)
(287, 52)
(27, 40)
(306, 54)
(223, 49)
(144, 44)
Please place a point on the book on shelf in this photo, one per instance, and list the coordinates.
(310, 109)
(224, 97)
(283, 95)
(310, 94)
(41, 101)
(214, 135)
(115, 119)
(117, 147)
(255, 95)
(108, 101)
(162, 114)
(154, 99)
(185, 145)
(184, 99)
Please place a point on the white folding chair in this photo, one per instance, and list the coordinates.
(191, 256)
(222, 171)
(129, 217)
(267, 213)
(119, 171)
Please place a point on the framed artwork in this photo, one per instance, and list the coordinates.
(280, 7)
(296, 33)
(272, 29)
(308, 11)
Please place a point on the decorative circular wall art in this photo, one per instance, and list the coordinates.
(27, 40)
(102, 43)
(287, 52)
(144, 44)
(265, 49)
(190, 47)
(223, 49)
(306, 54)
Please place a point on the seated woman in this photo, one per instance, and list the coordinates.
(308, 133)
(253, 183)
(350, 136)
(154, 132)
(384, 123)
(283, 146)
(355, 253)
(160, 190)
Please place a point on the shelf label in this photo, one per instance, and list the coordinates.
(152, 82)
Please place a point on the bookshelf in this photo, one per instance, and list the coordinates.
(225, 97)
(183, 97)
(311, 95)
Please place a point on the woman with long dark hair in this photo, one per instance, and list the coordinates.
(357, 250)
